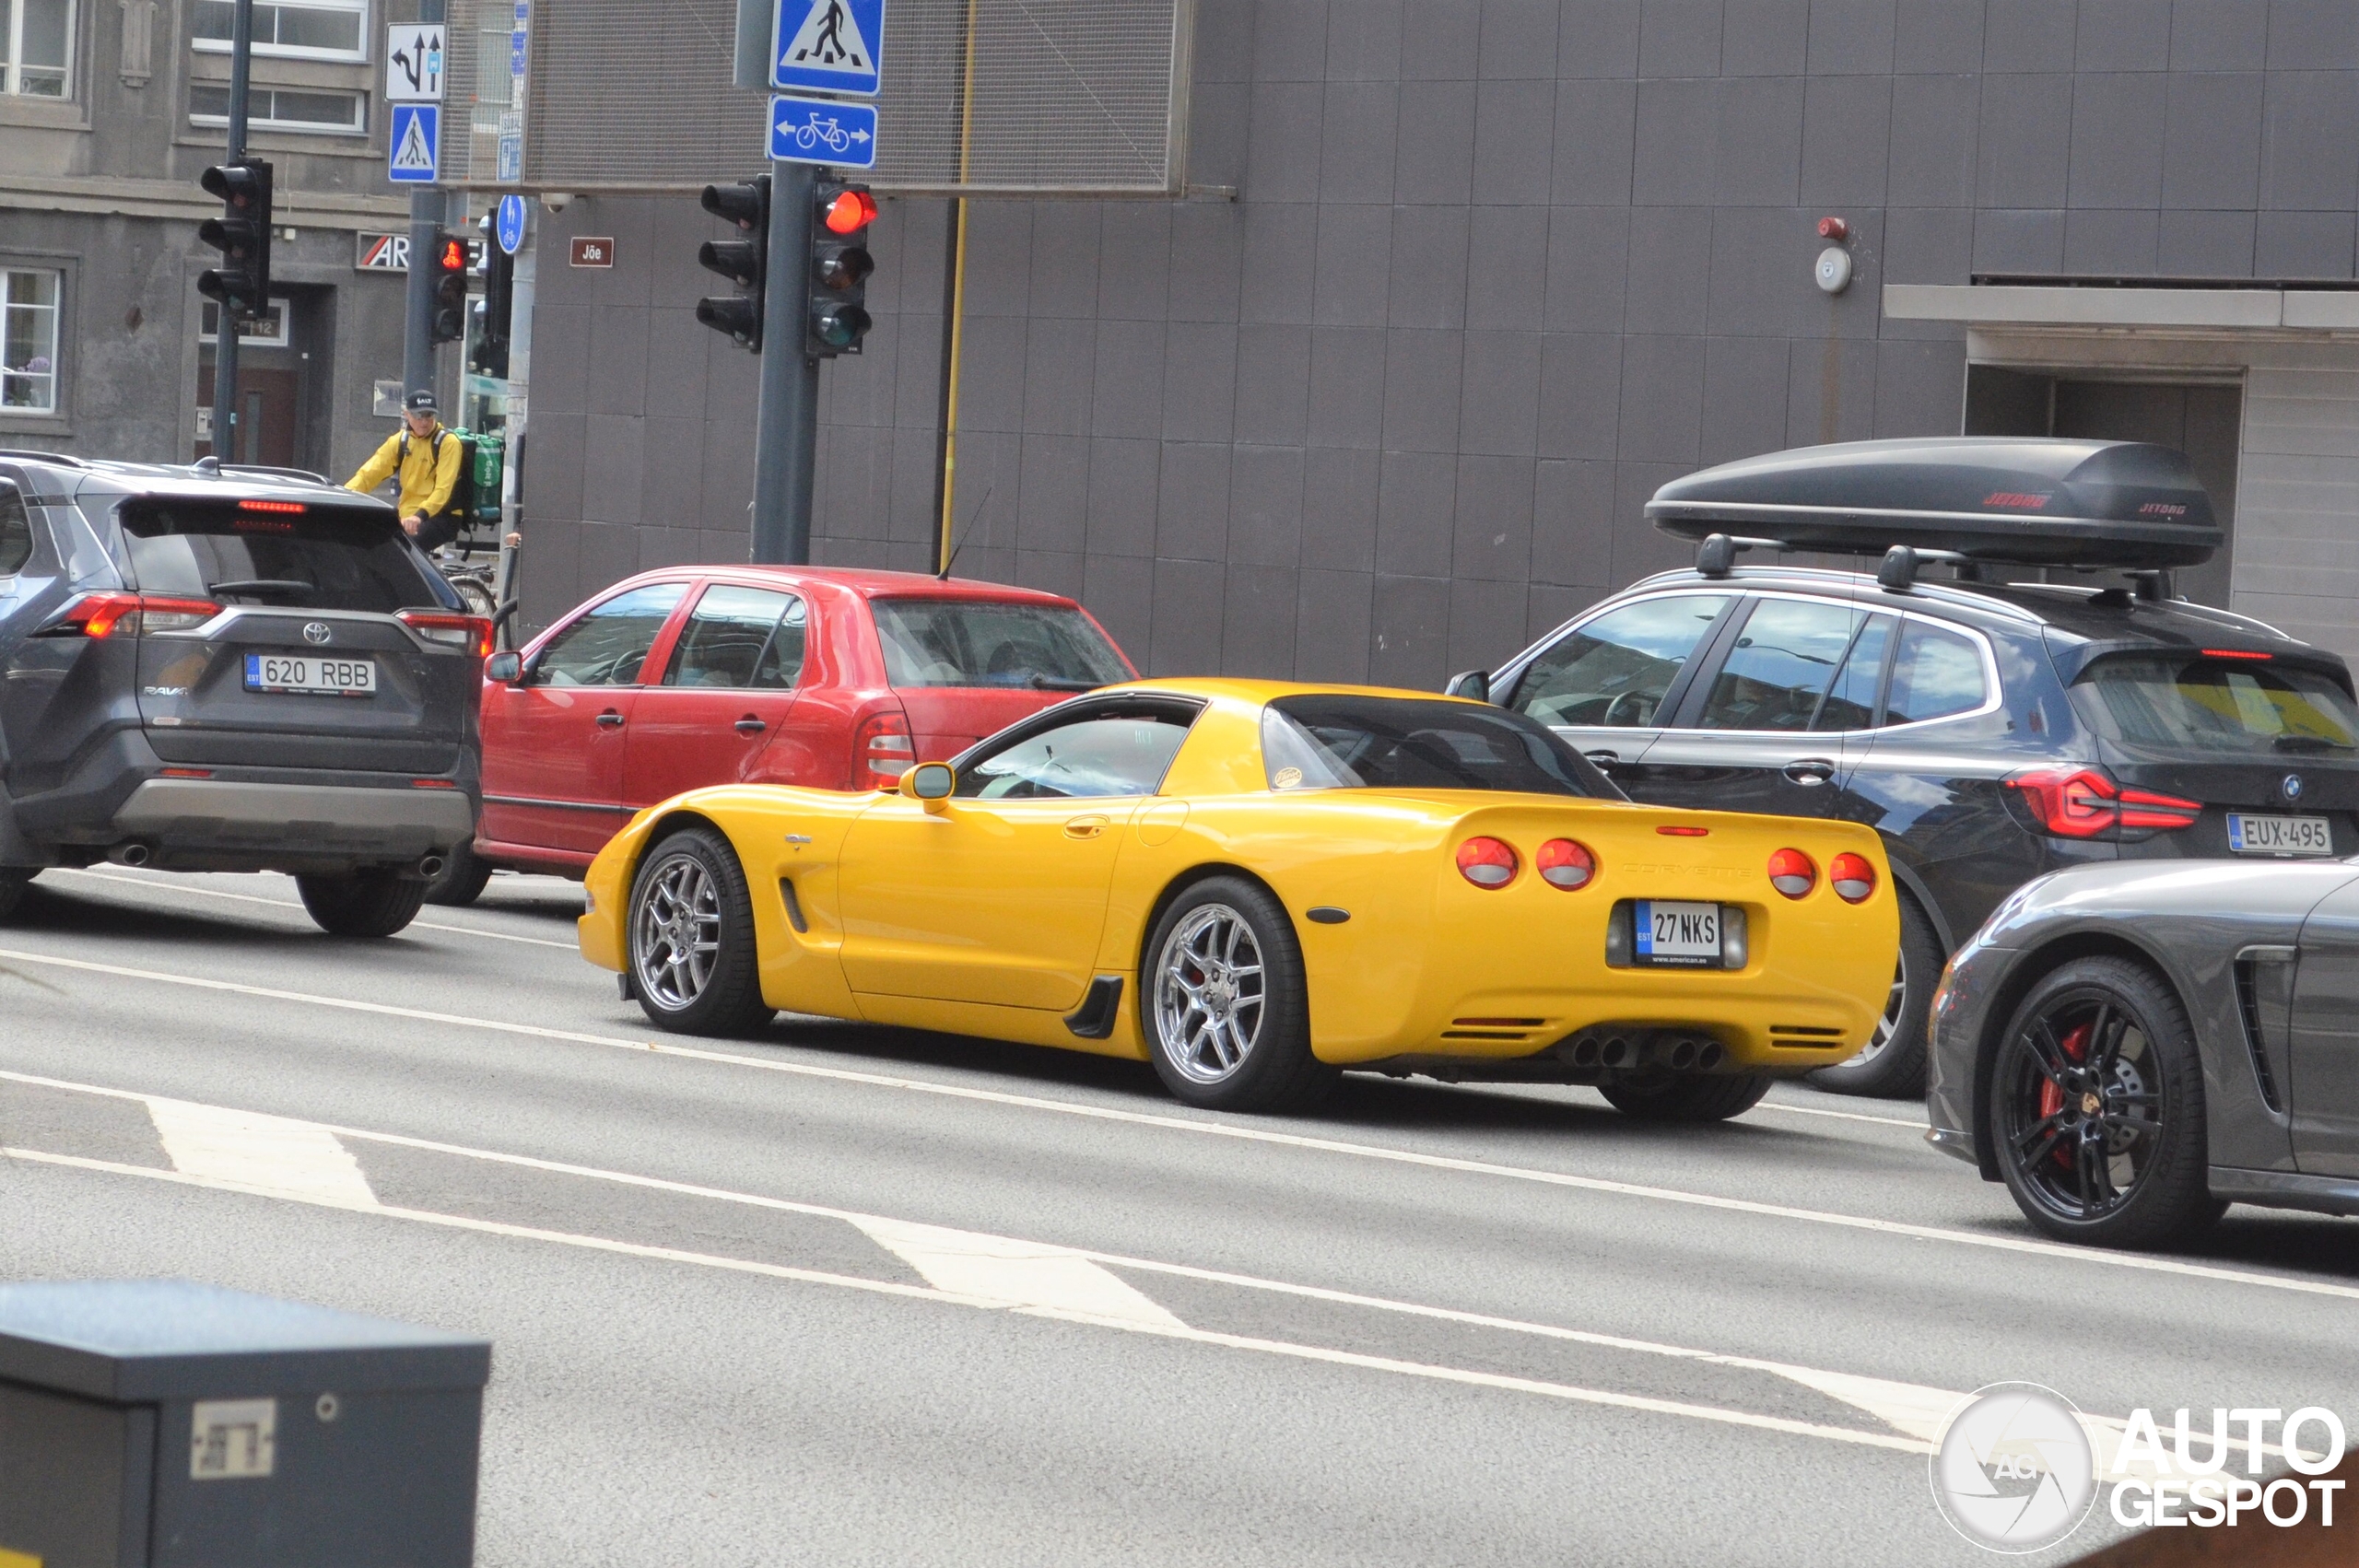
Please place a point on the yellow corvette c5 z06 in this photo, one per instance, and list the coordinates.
(1255, 885)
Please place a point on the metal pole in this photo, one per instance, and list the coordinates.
(428, 206)
(786, 430)
(227, 321)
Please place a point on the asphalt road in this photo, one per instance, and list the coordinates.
(851, 1295)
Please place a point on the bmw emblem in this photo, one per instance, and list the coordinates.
(317, 632)
(2292, 786)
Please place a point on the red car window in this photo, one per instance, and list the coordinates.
(743, 637)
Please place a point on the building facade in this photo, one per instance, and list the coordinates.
(109, 109)
(1458, 283)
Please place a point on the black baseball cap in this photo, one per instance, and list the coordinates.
(421, 403)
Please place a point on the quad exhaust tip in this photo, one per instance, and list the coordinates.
(1680, 1053)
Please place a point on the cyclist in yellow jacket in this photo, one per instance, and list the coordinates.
(427, 457)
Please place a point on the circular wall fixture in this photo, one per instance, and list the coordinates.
(1833, 273)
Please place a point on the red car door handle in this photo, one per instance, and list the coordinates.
(749, 725)
(610, 719)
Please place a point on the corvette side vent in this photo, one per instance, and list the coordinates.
(1492, 1028)
(2247, 968)
(1810, 1031)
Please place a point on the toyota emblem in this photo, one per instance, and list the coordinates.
(317, 632)
(2292, 786)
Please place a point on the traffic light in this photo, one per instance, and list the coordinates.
(835, 321)
(241, 283)
(449, 323)
(488, 356)
(743, 261)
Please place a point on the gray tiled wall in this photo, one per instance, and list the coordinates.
(1496, 269)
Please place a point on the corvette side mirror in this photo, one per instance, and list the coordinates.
(507, 668)
(1475, 684)
(930, 783)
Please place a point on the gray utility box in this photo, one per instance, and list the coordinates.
(156, 1423)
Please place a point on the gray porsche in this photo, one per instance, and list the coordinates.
(2131, 1048)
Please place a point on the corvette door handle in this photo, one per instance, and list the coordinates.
(749, 725)
(610, 719)
(1085, 827)
(1810, 770)
(1604, 759)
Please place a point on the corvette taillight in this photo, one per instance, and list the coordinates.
(881, 751)
(1486, 862)
(2084, 803)
(1792, 872)
(1564, 864)
(470, 631)
(129, 614)
(1852, 877)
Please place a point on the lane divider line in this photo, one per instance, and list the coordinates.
(119, 880)
(2022, 1246)
(1020, 1273)
(262, 1153)
(1175, 1330)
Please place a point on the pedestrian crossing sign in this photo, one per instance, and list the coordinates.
(830, 45)
(416, 140)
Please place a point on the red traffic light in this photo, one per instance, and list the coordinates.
(850, 212)
(453, 257)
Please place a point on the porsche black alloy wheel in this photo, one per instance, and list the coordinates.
(690, 936)
(2096, 1108)
(1224, 1005)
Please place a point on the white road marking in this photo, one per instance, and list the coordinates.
(1175, 1330)
(2087, 1257)
(1918, 1126)
(261, 1154)
(1019, 1273)
(120, 880)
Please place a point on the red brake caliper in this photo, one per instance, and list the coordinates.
(2051, 1094)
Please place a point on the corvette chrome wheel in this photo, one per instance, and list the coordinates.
(676, 932)
(1209, 994)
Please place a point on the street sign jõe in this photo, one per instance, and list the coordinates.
(828, 45)
(591, 250)
(415, 144)
(413, 57)
(823, 130)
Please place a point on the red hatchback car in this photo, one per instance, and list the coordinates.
(695, 675)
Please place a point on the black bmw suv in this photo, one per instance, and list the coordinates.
(215, 669)
(1992, 730)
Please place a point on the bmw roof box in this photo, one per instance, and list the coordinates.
(2047, 501)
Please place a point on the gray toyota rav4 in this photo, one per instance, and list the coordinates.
(224, 669)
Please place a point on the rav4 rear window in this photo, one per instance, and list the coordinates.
(1374, 742)
(321, 558)
(982, 642)
(2191, 703)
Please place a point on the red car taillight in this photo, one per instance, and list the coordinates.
(2084, 803)
(1852, 877)
(1486, 862)
(470, 631)
(1565, 864)
(128, 614)
(881, 751)
(1792, 872)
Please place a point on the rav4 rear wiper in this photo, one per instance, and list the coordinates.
(2310, 743)
(260, 585)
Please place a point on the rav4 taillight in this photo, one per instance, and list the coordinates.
(2084, 804)
(470, 631)
(881, 751)
(129, 614)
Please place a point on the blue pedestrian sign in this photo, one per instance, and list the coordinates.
(830, 45)
(820, 130)
(509, 225)
(415, 144)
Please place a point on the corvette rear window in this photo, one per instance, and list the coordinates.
(1374, 742)
(2190, 703)
(982, 642)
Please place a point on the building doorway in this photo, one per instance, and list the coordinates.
(2204, 419)
(266, 415)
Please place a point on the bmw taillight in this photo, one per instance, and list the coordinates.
(1852, 877)
(2084, 803)
(1486, 862)
(470, 631)
(129, 614)
(1564, 864)
(1792, 872)
(881, 751)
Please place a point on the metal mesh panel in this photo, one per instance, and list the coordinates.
(1076, 97)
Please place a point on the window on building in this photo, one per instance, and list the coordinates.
(27, 340)
(282, 109)
(315, 29)
(36, 47)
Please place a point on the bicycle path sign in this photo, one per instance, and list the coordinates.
(822, 130)
(828, 45)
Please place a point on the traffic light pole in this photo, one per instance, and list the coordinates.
(427, 207)
(225, 322)
(786, 428)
